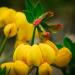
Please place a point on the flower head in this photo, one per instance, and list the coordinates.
(34, 55)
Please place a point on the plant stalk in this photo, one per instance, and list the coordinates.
(33, 36)
(3, 45)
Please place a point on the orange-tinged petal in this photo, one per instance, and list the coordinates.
(63, 58)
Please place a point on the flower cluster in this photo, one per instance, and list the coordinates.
(41, 55)
(15, 23)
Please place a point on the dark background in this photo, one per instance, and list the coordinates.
(64, 10)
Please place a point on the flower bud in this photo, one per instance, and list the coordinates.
(10, 30)
(45, 69)
(37, 21)
(21, 68)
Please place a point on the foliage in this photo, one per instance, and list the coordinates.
(33, 11)
(3, 71)
(67, 42)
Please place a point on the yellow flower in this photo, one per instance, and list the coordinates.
(1, 23)
(45, 69)
(20, 20)
(25, 29)
(16, 68)
(52, 45)
(10, 16)
(7, 16)
(34, 55)
(21, 68)
(63, 57)
(25, 33)
(9, 67)
(2, 11)
(28, 54)
(48, 53)
(10, 30)
(21, 52)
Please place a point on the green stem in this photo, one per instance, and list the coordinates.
(3, 45)
(33, 36)
(37, 71)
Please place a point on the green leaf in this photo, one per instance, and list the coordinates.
(28, 5)
(46, 19)
(29, 15)
(45, 26)
(39, 29)
(3, 71)
(59, 46)
(68, 43)
(33, 11)
(29, 10)
(73, 51)
(50, 28)
(73, 55)
(38, 9)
